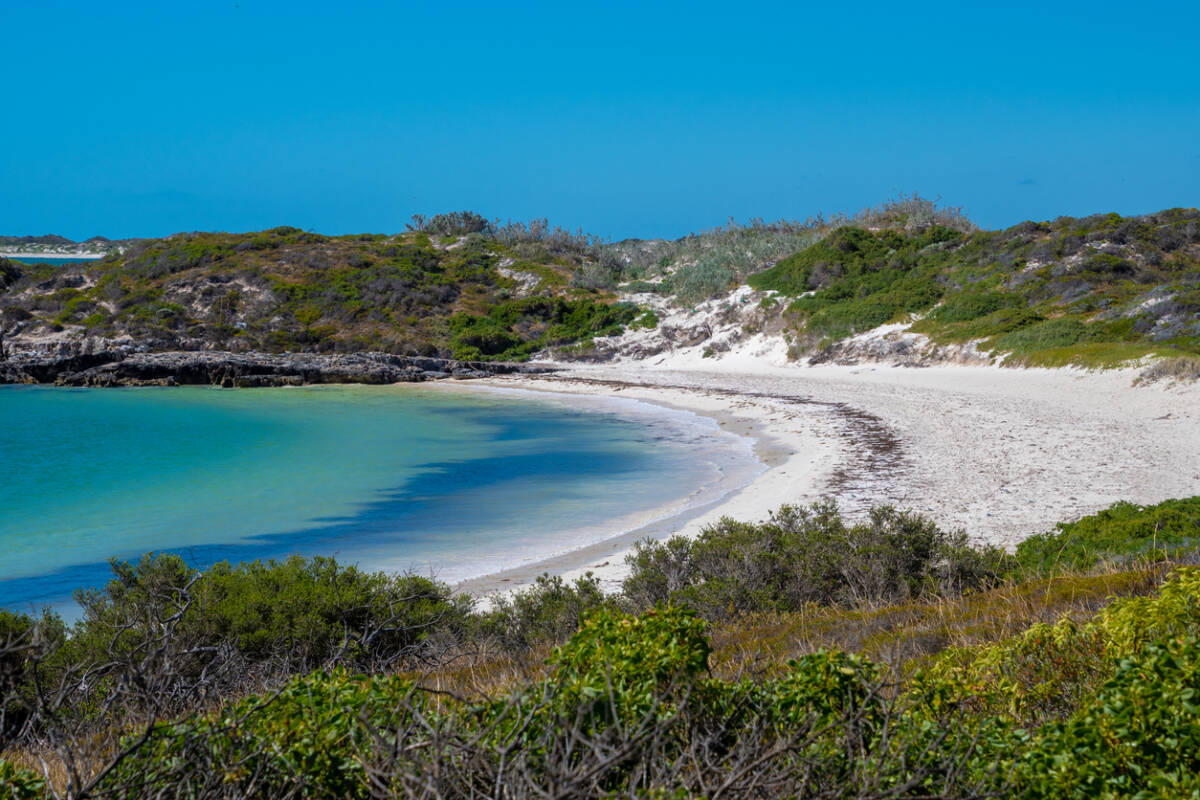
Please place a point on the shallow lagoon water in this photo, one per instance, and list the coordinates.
(450, 483)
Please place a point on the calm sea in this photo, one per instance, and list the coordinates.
(453, 483)
(56, 262)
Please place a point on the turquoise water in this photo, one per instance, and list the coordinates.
(453, 483)
(56, 262)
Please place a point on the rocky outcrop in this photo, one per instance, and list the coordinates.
(207, 368)
(898, 346)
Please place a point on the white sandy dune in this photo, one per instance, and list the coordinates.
(1003, 453)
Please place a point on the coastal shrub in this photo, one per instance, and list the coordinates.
(914, 213)
(701, 281)
(806, 555)
(848, 259)
(1119, 534)
(600, 274)
(631, 704)
(312, 738)
(972, 305)
(28, 657)
(455, 223)
(10, 272)
(290, 615)
(855, 279)
(515, 329)
(1138, 736)
(1061, 332)
(20, 784)
(648, 320)
(734, 249)
(547, 612)
(627, 709)
(998, 322)
(1046, 672)
(619, 668)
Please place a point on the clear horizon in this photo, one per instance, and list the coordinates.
(625, 121)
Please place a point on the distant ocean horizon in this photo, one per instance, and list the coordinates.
(453, 484)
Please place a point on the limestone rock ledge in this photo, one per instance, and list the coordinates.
(208, 368)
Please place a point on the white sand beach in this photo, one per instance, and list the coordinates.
(1002, 453)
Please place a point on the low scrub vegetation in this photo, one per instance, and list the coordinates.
(804, 555)
(10, 271)
(1098, 291)
(513, 330)
(805, 656)
(439, 289)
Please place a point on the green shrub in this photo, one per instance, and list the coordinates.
(628, 709)
(972, 305)
(547, 612)
(701, 281)
(20, 784)
(619, 668)
(998, 322)
(310, 739)
(299, 612)
(1048, 671)
(515, 329)
(1138, 737)
(804, 555)
(1118, 534)
(648, 320)
(1061, 332)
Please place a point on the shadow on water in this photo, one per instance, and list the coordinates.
(432, 511)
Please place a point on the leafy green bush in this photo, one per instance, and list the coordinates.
(628, 709)
(805, 555)
(547, 612)
(20, 784)
(856, 279)
(1139, 736)
(1118, 534)
(972, 305)
(299, 612)
(619, 668)
(309, 739)
(515, 329)
(1049, 670)
(1061, 332)
(847, 259)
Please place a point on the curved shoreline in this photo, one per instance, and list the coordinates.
(1001, 453)
(618, 535)
(796, 455)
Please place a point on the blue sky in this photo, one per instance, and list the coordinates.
(625, 119)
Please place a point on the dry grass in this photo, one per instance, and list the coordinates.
(902, 635)
(487, 671)
(898, 635)
(1177, 370)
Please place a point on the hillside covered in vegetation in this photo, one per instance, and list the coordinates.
(802, 656)
(461, 294)
(1096, 291)
(1104, 288)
